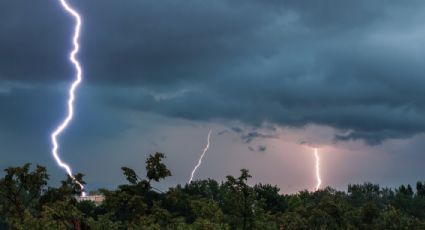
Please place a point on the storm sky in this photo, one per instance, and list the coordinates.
(271, 78)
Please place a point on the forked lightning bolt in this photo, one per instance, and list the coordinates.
(202, 156)
(78, 78)
(319, 180)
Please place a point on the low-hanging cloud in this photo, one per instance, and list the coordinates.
(352, 66)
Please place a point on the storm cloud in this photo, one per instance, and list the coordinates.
(355, 66)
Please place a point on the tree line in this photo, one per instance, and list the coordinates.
(27, 202)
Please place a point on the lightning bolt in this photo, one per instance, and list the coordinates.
(202, 156)
(319, 180)
(78, 78)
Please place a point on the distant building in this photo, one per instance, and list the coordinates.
(97, 199)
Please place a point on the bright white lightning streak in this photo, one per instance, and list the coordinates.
(72, 89)
(202, 156)
(319, 180)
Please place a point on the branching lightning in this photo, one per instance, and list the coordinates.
(202, 156)
(78, 78)
(319, 180)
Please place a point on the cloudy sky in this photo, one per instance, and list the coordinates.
(271, 78)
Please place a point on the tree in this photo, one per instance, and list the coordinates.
(366, 192)
(27, 203)
(130, 175)
(291, 220)
(393, 219)
(203, 188)
(369, 212)
(21, 190)
(274, 202)
(206, 209)
(155, 169)
(420, 189)
(238, 200)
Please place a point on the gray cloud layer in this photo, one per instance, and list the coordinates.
(352, 65)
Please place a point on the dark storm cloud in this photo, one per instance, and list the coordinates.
(249, 137)
(223, 132)
(353, 65)
(237, 129)
(31, 41)
(29, 114)
(262, 148)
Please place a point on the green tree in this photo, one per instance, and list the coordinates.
(420, 189)
(206, 209)
(21, 191)
(155, 169)
(274, 202)
(238, 200)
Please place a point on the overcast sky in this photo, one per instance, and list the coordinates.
(271, 78)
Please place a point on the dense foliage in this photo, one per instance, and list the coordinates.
(26, 202)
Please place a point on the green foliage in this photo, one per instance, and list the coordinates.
(130, 175)
(206, 209)
(21, 190)
(103, 222)
(155, 169)
(26, 202)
